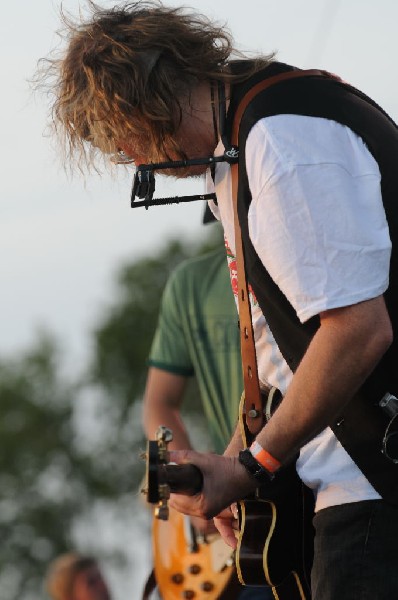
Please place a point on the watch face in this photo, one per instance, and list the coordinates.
(256, 470)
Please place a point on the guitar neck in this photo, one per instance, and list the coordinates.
(182, 479)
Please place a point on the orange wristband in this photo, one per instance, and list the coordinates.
(264, 458)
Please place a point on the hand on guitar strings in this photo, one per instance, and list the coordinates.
(203, 526)
(225, 481)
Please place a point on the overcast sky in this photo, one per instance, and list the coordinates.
(61, 242)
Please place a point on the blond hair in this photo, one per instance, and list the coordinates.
(126, 71)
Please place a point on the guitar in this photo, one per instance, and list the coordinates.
(281, 557)
(275, 530)
(186, 564)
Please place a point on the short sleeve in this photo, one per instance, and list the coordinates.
(317, 219)
(169, 350)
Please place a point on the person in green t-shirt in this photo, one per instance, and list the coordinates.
(197, 335)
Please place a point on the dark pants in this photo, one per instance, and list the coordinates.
(356, 552)
(256, 593)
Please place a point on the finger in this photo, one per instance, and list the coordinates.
(234, 510)
(225, 514)
(203, 526)
(226, 531)
(179, 504)
(187, 505)
(180, 456)
(235, 525)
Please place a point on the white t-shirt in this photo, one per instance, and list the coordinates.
(317, 223)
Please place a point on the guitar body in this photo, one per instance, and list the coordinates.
(187, 566)
(275, 544)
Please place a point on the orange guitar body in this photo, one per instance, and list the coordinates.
(187, 566)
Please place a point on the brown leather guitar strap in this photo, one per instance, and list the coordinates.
(253, 400)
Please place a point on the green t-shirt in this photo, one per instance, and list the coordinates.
(198, 335)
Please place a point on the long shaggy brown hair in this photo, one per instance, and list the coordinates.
(125, 73)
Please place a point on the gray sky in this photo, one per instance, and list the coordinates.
(61, 241)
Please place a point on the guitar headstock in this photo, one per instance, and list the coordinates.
(156, 491)
(186, 565)
(163, 478)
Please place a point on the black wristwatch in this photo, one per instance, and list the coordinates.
(260, 474)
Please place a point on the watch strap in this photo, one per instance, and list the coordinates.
(254, 468)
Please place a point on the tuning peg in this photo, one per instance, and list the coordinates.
(162, 512)
(144, 491)
(164, 491)
(143, 455)
(164, 434)
(163, 454)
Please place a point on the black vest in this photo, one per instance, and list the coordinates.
(362, 425)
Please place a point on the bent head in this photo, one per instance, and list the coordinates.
(128, 77)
